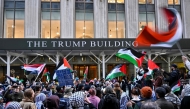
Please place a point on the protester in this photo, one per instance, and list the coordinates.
(186, 99)
(149, 105)
(13, 105)
(161, 101)
(100, 94)
(27, 102)
(173, 76)
(146, 94)
(39, 101)
(171, 97)
(93, 98)
(52, 102)
(109, 100)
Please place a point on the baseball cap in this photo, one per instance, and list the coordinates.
(174, 65)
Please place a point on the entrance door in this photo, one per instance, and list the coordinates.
(92, 71)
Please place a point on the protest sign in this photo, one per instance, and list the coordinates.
(64, 77)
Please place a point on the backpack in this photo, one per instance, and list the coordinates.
(64, 103)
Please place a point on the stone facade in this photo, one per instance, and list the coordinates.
(67, 18)
(32, 18)
(185, 6)
(100, 18)
(131, 18)
(1, 17)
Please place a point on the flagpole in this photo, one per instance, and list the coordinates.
(36, 78)
(179, 47)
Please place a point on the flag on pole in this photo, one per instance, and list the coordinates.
(86, 72)
(150, 38)
(119, 70)
(47, 74)
(45, 71)
(151, 67)
(130, 55)
(63, 64)
(35, 68)
(142, 59)
(176, 88)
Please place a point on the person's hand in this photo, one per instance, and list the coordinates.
(184, 58)
(87, 100)
(129, 104)
(162, 70)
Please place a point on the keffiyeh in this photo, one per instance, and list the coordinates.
(39, 100)
(13, 105)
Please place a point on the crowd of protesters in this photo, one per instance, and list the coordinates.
(100, 94)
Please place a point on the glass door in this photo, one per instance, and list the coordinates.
(92, 71)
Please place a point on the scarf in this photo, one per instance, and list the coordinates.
(39, 100)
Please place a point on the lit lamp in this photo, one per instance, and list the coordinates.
(141, 27)
(57, 31)
(48, 35)
(110, 34)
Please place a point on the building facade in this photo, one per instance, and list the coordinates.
(84, 19)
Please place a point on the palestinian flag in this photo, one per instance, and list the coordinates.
(151, 67)
(119, 70)
(131, 55)
(176, 88)
(47, 74)
(86, 72)
(150, 38)
(45, 71)
(63, 64)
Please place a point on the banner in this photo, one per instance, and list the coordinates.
(64, 77)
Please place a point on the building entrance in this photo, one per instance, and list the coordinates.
(92, 71)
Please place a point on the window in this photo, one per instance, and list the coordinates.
(84, 19)
(116, 19)
(173, 2)
(116, 1)
(50, 19)
(146, 19)
(14, 19)
(146, 1)
(50, 0)
(146, 15)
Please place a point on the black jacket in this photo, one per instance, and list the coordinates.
(185, 102)
(109, 101)
(172, 78)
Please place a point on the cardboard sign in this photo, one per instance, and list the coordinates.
(64, 77)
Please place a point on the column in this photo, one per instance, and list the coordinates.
(131, 18)
(57, 59)
(100, 18)
(67, 18)
(99, 71)
(27, 60)
(169, 63)
(103, 65)
(1, 17)
(32, 18)
(8, 65)
(185, 7)
(149, 56)
(161, 22)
